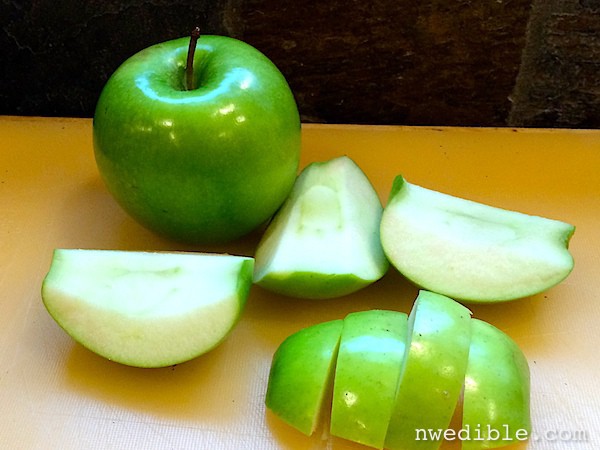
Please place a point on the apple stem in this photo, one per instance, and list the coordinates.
(189, 68)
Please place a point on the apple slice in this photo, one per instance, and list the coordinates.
(433, 371)
(471, 251)
(301, 374)
(146, 309)
(496, 392)
(368, 367)
(407, 397)
(324, 242)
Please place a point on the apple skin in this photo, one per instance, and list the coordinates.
(395, 380)
(496, 391)
(301, 375)
(314, 286)
(205, 165)
(433, 371)
(375, 342)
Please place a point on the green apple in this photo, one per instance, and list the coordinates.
(324, 241)
(433, 371)
(496, 391)
(146, 309)
(301, 374)
(471, 251)
(368, 368)
(206, 164)
(397, 382)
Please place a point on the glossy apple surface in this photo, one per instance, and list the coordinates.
(433, 371)
(368, 367)
(324, 241)
(203, 165)
(397, 383)
(470, 251)
(301, 374)
(496, 393)
(146, 309)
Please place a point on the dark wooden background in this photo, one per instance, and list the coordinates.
(431, 62)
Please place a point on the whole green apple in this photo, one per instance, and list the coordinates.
(208, 162)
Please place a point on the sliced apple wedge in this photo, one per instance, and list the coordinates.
(368, 367)
(146, 309)
(324, 242)
(301, 374)
(470, 251)
(496, 391)
(433, 371)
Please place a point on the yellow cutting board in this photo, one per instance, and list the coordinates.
(54, 394)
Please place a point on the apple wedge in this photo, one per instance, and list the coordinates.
(324, 242)
(496, 391)
(146, 309)
(368, 367)
(301, 374)
(470, 251)
(433, 371)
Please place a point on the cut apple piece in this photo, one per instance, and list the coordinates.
(146, 309)
(433, 371)
(301, 374)
(471, 251)
(496, 392)
(324, 242)
(404, 400)
(367, 371)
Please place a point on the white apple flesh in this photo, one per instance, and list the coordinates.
(470, 251)
(324, 242)
(146, 309)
